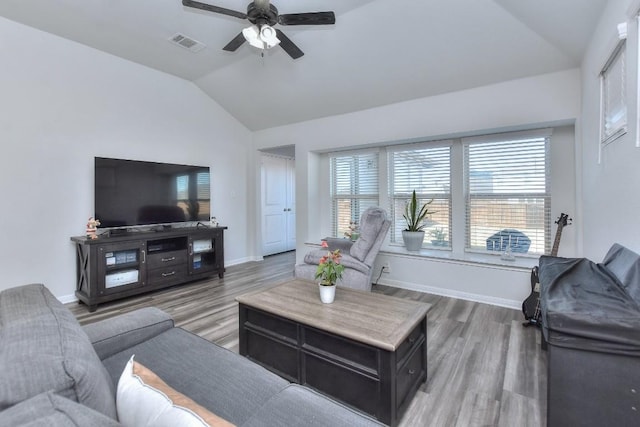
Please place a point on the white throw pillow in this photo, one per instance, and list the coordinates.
(143, 399)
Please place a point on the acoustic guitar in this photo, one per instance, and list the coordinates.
(531, 305)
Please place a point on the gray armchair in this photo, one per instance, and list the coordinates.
(357, 257)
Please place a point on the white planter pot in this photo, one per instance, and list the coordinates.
(413, 239)
(327, 293)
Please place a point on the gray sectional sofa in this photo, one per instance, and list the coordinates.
(55, 372)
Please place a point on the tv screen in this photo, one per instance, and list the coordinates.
(131, 192)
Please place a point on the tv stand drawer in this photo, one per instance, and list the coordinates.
(166, 259)
(171, 273)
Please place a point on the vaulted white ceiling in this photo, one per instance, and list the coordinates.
(379, 51)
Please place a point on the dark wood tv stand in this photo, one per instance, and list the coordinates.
(112, 267)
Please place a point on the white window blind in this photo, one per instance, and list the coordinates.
(427, 170)
(508, 196)
(613, 94)
(354, 188)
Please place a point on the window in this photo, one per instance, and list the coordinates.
(613, 120)
(354, 188)
(488, 191)
(507, 194)
(427, 170)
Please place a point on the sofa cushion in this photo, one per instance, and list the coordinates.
(226, 384)
(300, 406)
(112, 335)
(143, 399)
(625, 265)
(60, 358)
(50, 410)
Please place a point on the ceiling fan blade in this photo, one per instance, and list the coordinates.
(288, 46)
(311, 18)
(234, 44)
(216, 9)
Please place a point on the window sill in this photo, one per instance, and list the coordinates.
(444, 255)
(520, 263)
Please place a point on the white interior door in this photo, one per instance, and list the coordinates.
(278, 207)
(291, 205)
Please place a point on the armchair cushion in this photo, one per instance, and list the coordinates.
(372, 222)
(339, 243)
(347, 260)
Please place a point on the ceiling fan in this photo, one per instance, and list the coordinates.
(263, 16)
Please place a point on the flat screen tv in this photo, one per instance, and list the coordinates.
(131, 193)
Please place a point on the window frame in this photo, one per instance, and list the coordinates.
(618, 54)
(355, 198)
(511, 138)
(440, 198)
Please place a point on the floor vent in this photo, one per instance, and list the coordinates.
(187, 42)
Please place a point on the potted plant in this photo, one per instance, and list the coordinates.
(353, 233)
(414, 215)
(438, 237)
(329, 271)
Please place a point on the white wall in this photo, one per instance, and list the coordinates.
(610, 189)
(62, 104)
(546, 100)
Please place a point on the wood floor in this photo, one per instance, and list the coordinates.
(484, 367)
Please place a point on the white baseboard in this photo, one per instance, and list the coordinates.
(242, 260)
(66, 299)
(500, 302)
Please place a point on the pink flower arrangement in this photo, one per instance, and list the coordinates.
(329, 270)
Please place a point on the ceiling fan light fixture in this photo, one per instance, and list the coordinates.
(252, 35)
(264, 37)
(268, 36)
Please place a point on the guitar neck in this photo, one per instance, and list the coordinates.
(562, 221)
(556, 242)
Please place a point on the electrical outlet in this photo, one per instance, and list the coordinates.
(386, 267)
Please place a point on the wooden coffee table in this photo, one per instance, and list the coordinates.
(366, 350)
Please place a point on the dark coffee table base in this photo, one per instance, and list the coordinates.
(380, 382)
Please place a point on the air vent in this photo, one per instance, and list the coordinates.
(187, 42)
